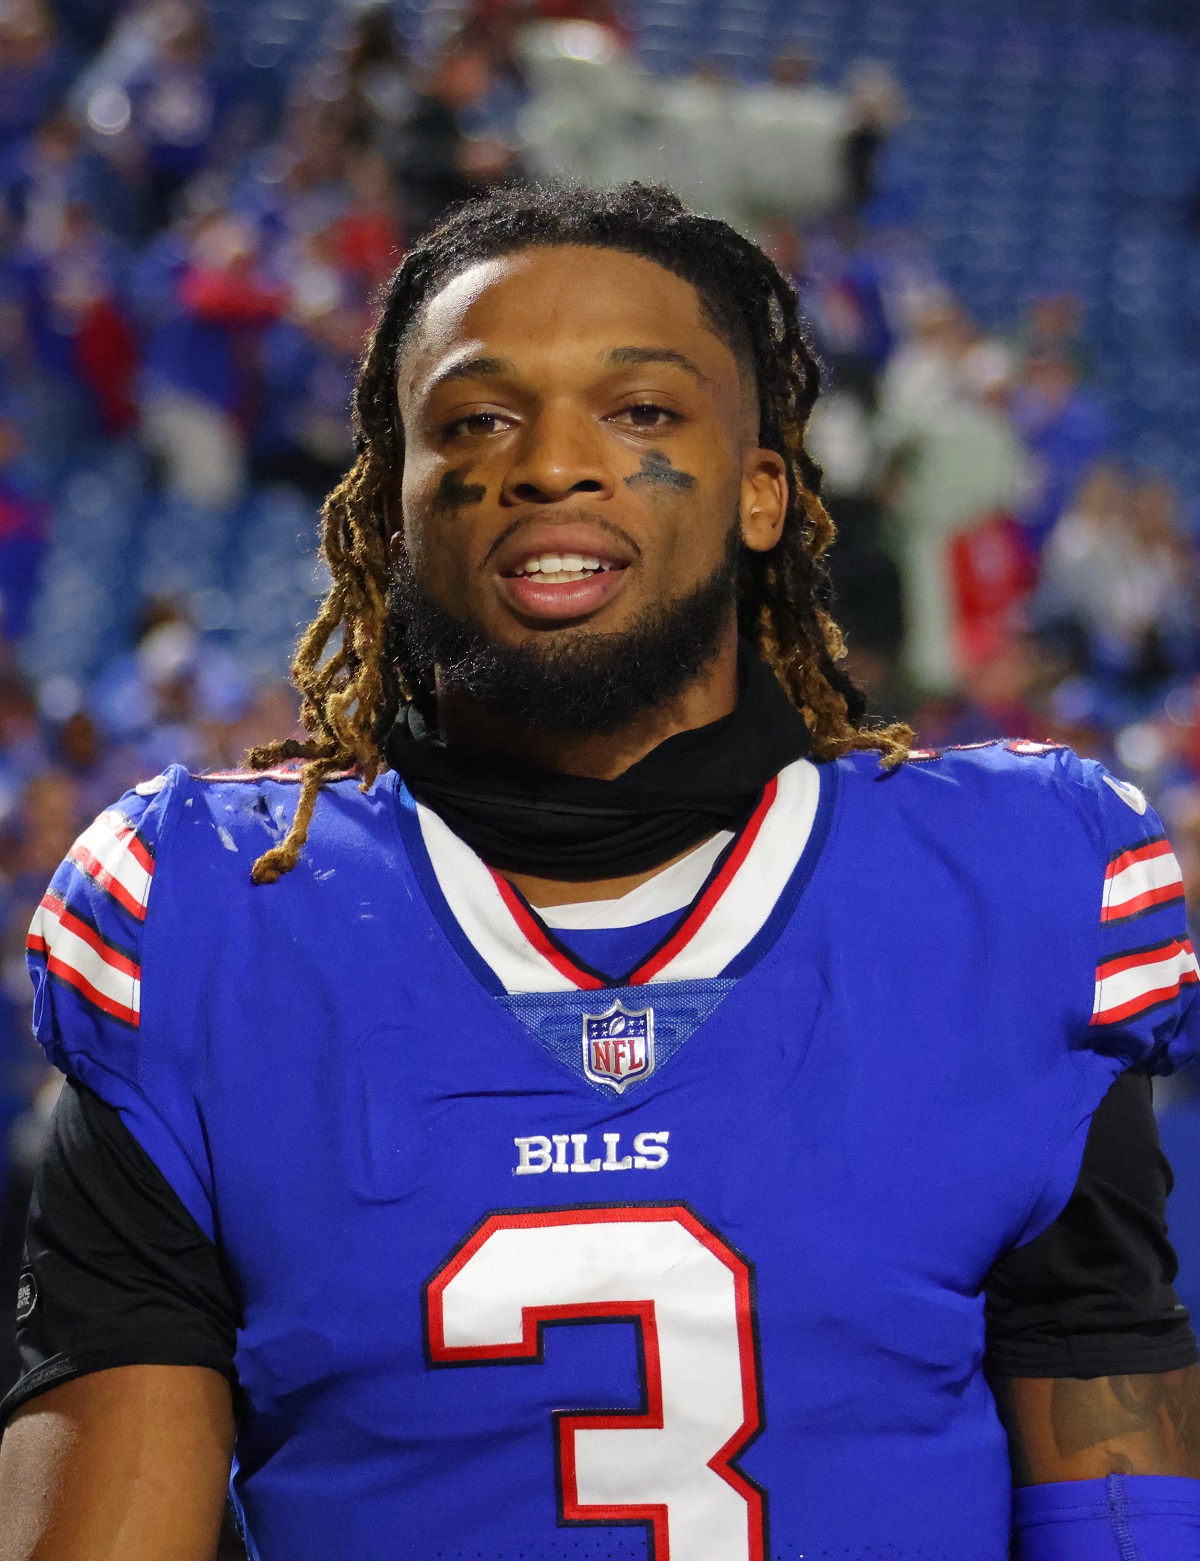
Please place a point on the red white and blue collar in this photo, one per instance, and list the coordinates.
(738, 912)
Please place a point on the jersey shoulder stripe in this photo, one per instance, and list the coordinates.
(118, 858)
(84, 942)
(77, 953)
(1140, 879)
(1133, 983)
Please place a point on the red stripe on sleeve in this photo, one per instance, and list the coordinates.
(85, 989)
(1147, 956)
(113, 957)
(1145, 1001)
(1164, 895)
(1142, 853)
(87, 863)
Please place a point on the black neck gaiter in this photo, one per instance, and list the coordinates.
(524, 819)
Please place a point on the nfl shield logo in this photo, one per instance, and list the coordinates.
(618, 1046)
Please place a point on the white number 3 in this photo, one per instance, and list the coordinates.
(670, 1466)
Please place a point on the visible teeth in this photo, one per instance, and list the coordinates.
(560, 566)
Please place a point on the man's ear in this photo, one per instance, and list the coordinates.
(764, 499)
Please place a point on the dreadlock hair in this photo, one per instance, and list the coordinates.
(350, 700)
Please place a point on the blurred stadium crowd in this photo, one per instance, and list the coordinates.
(990, 216)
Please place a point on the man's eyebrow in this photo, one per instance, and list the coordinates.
(634, 357)
(473, 368)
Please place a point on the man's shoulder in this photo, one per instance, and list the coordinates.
(158, 890)
(222, 815)
(1002, 774)
(181, 846)
(1036, 808)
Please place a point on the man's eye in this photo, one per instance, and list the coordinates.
(476, 423)
(647, 415)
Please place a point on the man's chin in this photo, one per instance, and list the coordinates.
(570, 678)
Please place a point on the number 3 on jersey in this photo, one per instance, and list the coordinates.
(670, 1466)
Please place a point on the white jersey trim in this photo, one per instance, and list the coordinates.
(735, 916)
(671, 890)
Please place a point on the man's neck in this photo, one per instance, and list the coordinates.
(602, 756)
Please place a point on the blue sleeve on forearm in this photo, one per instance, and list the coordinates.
(1126, 1517)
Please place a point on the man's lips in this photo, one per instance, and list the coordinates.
(558, 601)
(578, 536)
(562, 571)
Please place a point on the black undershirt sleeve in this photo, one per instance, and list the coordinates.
(1093, 1295)
(116, 1271)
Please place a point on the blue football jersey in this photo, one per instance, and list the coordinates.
(687, 1264)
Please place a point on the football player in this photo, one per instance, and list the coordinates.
(598, 1097)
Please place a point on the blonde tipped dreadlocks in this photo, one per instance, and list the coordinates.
(350, 700)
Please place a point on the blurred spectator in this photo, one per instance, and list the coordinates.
(24, 520)
(43, 175)
(1052, 327)
(378, 89)
(842, 296)
(369, 234)
(34, 68)
(921, 372)
(22, 752)
(993, 698)
(173, 105)
(877, 107)
(308, 355)
(271, 712)
(434, 161)
(1065, 430)
(206, 300)
(171, 697)
(1117, 582)
(308, 359)
(70, 273)
(949, 459)
(993, 572)
(100, 769)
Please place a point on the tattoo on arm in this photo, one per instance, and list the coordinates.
(1076, 1429)
(452, 492)
(658, 472)
(1160, 1405)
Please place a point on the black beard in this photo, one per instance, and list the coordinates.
(583, 680)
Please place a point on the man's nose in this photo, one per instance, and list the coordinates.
(561, 455)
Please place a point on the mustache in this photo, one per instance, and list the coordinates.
(566, 516)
